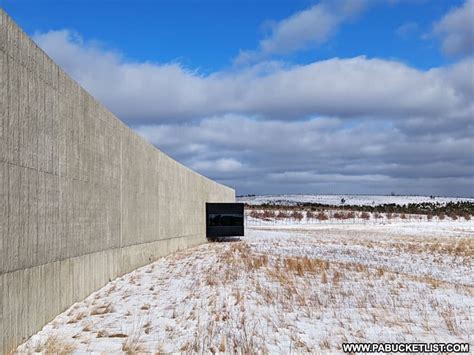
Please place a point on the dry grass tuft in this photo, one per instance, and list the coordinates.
(464, 247)
(238, 297)
(159, 350)
(222, 345)
(301, 265)
(111, 289)
(55, 345)
(117, 335)
(104, 309)
(253, 262)
(147, 327)
(324, 278)
(380, 272)
(133, 344)
(132, 348)
(76, 318)
(211, 279)
(241, 247)
(360, 267)
(449, 318)
(325, 344)
(102, 334)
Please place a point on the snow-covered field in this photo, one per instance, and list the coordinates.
(361, 200)
(285, 289)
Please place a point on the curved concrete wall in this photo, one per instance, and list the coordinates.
(83, 199)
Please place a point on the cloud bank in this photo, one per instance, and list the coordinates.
(342, 125)
(341, 87)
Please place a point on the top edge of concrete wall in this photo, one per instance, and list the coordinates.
(5, 18)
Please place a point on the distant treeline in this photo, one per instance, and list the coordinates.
(460, 209)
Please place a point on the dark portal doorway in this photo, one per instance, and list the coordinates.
(224, 220)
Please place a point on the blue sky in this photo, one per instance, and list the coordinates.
(208, 34)
(341, 96)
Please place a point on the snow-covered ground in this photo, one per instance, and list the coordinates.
(285, 289)
(361, 200)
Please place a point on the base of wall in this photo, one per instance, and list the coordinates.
(33, 297)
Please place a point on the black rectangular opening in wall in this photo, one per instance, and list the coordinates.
(224, 220)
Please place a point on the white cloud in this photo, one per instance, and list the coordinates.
(457, 30)
(348, 87)
(310, 27)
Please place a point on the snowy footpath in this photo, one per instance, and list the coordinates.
(284, 289)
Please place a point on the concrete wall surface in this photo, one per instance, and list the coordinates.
(83, 199)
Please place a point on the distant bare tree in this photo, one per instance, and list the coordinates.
(322, 216)
(338, 215)
(268, 214)
(297, 215)
(365, 215)
(282, 215)
(255, 214)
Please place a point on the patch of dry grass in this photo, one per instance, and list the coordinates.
(253, 262)
(76, 317)
(302, 265)
(102, 309)
(242, 293)
(134, 344)
(55, 345)
(449, 317)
